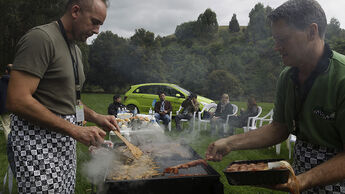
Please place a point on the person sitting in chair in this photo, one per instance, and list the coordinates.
(115, 106)
(224, 108)
(163, 109)
(242, 119)
(190, 105)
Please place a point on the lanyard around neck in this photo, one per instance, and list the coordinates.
(74, 61)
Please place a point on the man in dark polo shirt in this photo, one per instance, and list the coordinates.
(310, 102)
(44, 95)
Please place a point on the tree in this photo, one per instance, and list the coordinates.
(186, 31)
(18, 16)
(107, 63)
(221, 81)
(333, 29)
(233, 24)
(143, 38)
(207, 24)
(258, 27)
(335, 36)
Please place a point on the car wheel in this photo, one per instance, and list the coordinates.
(131, 107)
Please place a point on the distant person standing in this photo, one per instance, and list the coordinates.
(5, 119)
(113, 108)
(189, 106)
(163, 109)
(44, 95)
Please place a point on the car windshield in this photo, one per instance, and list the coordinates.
(183, 90)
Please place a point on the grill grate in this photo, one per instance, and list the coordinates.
(203, 179)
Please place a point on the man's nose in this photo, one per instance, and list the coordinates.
(96, 29)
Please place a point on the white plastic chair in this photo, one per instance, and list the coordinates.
(269, 118)
(169, 125)
(207, 107)
(186, 120)
(234, 113)
(291, 139)
(252, 121)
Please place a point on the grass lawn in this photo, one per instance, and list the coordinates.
(100, 102)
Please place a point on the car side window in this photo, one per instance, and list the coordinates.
(138, 90)
(147, 90)
(166, 90)
(172, 92)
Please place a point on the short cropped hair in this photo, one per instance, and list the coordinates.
(161, 92)
(115, 97)
(225, 95)
(300, 14)
(84, 4)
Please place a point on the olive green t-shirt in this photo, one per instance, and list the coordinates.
(322, 116)
(43, 52)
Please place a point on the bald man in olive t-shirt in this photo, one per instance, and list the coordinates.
(42, 94)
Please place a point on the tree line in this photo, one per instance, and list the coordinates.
(200, 56)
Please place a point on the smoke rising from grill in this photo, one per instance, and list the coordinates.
(97, 166)
(151, 141)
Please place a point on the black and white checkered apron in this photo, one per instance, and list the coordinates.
(307, 156)
(45, 161)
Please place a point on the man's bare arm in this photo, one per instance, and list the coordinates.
(265, 136)
(329, 172)
(21, 102)
(107, 122)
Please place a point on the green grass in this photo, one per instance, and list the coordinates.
(100, 102)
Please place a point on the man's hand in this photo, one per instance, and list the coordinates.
(292, 186)
(217, 150)
(107, 122)
(89, 135)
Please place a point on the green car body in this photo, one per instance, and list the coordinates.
(142, 96)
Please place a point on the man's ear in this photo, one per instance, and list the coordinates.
(313, 31)
(75, 11)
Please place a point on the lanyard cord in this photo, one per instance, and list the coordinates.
(74, 62)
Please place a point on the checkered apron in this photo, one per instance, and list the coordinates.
(307, 156)
(45, 161)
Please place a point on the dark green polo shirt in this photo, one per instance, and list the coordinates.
(322, 115)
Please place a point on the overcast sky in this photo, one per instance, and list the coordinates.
(162, 16)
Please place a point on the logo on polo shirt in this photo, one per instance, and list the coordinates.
(323, 114)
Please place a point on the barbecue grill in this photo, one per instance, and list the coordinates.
(199, 179)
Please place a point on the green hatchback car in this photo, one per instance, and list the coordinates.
(143, 96)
